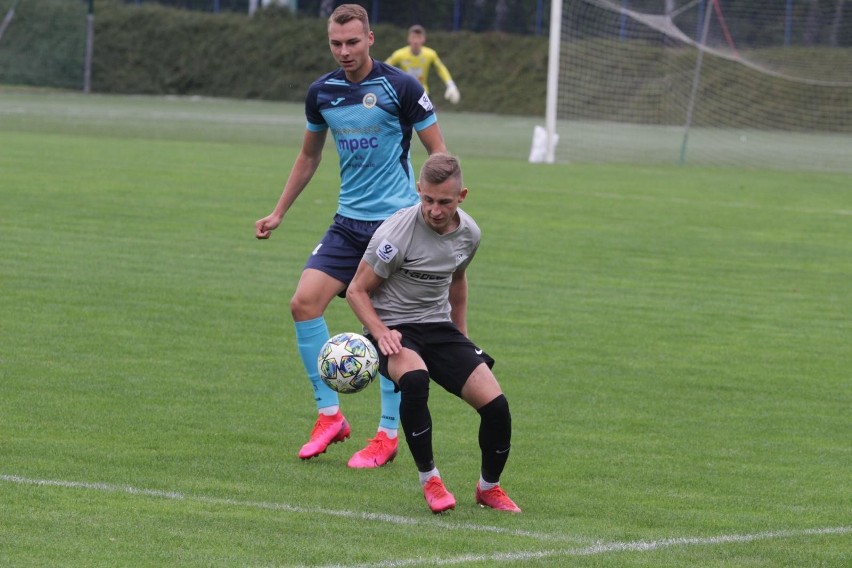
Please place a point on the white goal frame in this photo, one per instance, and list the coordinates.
(802, 137)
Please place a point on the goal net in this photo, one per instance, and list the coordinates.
(760, 83)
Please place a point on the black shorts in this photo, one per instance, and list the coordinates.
(450, 357)
(341, 248)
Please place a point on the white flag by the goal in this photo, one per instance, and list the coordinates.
(539, 149)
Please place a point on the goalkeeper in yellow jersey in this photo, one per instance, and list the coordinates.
(416, 59)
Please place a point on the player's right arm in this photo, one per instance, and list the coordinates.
(358, 294)
(303, 170)
(396, 57)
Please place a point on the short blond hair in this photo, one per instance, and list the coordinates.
(345, 13)
(440, 167)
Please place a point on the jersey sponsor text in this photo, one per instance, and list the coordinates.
(355, 144)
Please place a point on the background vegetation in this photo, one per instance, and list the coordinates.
(821, 22)
(152, 49)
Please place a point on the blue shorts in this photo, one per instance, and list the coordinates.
(341, 248)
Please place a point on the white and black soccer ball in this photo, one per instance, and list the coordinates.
(348, 363)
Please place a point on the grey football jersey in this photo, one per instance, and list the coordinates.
(418, 265)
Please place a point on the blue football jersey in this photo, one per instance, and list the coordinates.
(371, 123)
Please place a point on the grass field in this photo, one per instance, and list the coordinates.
(675, 343)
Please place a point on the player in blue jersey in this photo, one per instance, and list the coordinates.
(371, 109)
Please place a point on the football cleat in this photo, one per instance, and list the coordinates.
(327, 430)
(379, 451)
(437, 496)
(496, 498)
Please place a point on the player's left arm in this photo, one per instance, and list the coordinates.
(452, 93)
(458, 300)
(442, 70)
(432, 139)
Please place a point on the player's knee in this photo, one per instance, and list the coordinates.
(302, 309)
(496, 411)
(414, 386)
(496, 423)
(296, 308)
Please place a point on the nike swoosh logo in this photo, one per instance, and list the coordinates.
(415, 434)
(337, 101)
(412, 259)
(478, 351)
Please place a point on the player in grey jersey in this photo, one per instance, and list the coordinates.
(410, 293)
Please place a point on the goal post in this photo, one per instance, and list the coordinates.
(700, 82)
(553, 60)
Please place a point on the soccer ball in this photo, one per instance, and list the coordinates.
(348, 362)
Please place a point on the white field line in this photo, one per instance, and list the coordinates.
(591, 547)
(222, 501)
(602, 548)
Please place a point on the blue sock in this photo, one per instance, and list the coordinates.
(390, 404)
(310, 336)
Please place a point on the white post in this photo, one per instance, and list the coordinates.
(696, 77)
(8, 19)
(553, 79)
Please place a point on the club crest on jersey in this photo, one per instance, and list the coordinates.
(425, 102)
(370, 100)
(386, 251)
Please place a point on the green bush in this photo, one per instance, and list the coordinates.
(151, 49)
(273, 55)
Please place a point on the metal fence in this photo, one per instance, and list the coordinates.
(511, 16)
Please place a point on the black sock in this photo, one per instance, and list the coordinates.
(495, 436)
(415, 417)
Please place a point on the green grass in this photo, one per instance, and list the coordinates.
(674, 344)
